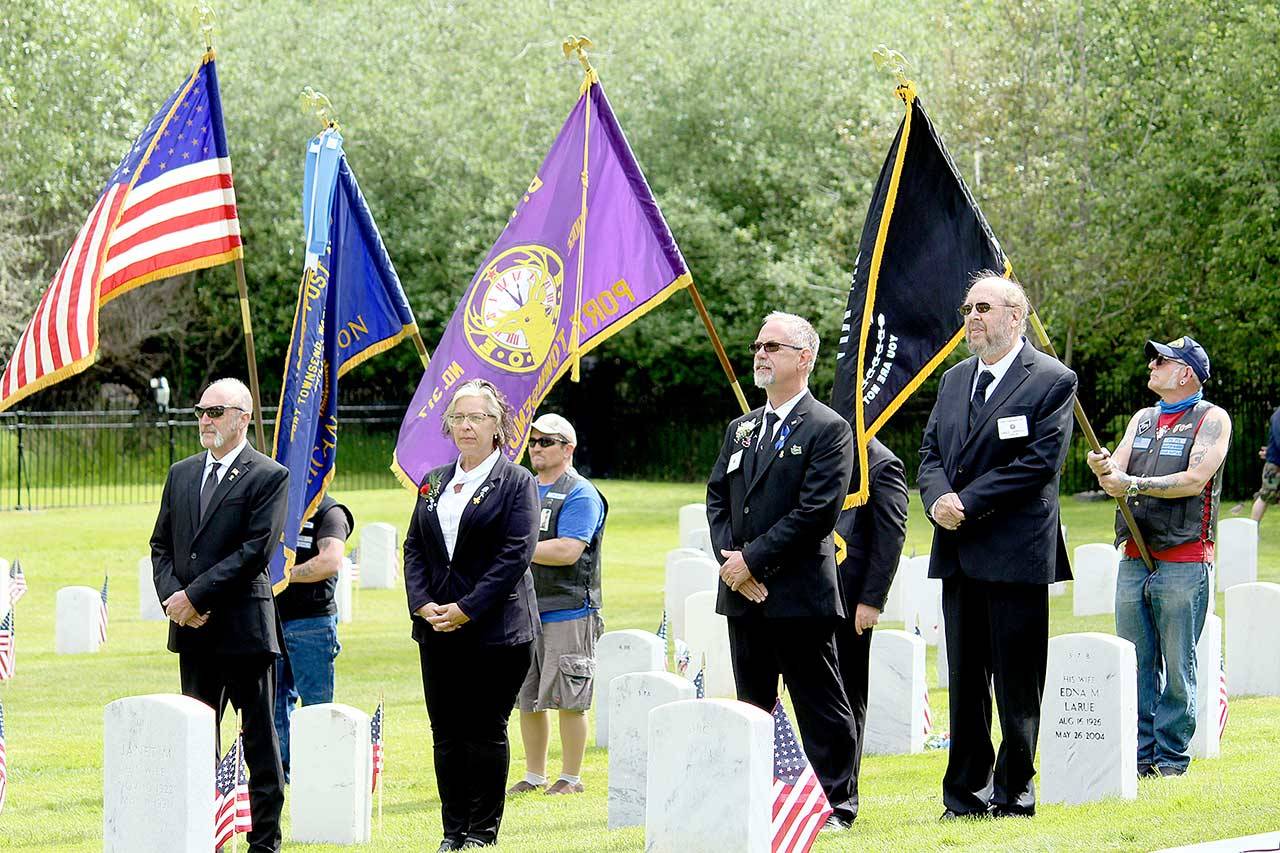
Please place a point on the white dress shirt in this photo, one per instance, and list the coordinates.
(997, 370)
(450, 504)
(783, 412)
(224, 464)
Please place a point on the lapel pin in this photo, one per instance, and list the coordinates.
(795, 450)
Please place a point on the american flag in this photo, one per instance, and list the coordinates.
(800, 806)
(684, 657)
(4, 761)
(231, 796)
(1222, 700)
(102, 613)
(8, 651)
(700, 682)
(375, 735)
(928, 713)
(17, 582)
(167, 209)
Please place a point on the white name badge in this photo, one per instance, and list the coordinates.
(735, 462)
(1013, 427)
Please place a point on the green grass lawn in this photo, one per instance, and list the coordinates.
(53, 708)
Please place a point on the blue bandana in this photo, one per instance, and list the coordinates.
(1174, 408)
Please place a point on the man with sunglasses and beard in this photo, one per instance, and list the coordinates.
(772, 502)
(989, 465)
(1168, 469)
(220, 518)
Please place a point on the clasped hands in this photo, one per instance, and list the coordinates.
(948, 511)
(737, 577)
(181, 612)
(443, 617)
(1113, 482)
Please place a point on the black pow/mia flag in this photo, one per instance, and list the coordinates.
(923, 240)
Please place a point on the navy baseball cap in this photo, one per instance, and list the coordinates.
(1184, 349)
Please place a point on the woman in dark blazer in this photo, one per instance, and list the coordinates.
(466, 572)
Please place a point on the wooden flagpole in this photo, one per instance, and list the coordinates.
(719, 347)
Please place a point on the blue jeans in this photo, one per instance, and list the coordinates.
(306, 672)
(1162, 614)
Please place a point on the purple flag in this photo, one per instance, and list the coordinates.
(548, 283)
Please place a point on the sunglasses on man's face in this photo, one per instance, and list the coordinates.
(770, 346)
(546, 442)
(981, 307)
(1162, 360)
(214, 412)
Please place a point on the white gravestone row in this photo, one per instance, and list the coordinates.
(1237, 554)
(78, 620)
(921, 601)
(1089, 720)
(692, 517)
(707, 634)
(1253, 635)
(331, 763)
(158, 762)
(1095, 569)
(1205, 743)
(379, 556)
(631, 698)
(148, 600)
(895, 694)
(685, 577)
(709, 782)
(621, 653)
(342, 595)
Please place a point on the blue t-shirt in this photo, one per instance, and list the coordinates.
(581, 517)
(1273, 442)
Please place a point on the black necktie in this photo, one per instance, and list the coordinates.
(210, 486)
(979, 398)
(765, 447)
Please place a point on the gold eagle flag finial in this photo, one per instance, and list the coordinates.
(318, 103)
(893, 61)
(579, 45)
(205, 20)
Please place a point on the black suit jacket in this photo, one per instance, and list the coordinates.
(1009, 486)
(876, 532)
(222, 561)
(783, 518)
(489, 575)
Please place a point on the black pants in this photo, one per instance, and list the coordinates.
(803, 652)
(854, 652)
(470, 691)
(997, 634)
(248, 683)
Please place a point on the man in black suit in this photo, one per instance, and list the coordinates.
(994, 445)
(873, 536)
(772, 502)
(221, 515)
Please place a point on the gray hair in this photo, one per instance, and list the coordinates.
(494, 403)
(238, 390)
(801, 331)
(1012, 292)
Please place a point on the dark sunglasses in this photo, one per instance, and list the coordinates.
(770, 346)
(214, 412)
(981, 307)
(546, 442)
(1162, 360)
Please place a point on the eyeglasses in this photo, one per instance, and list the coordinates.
(475, 419)
(214, 412)
(1162, 360)
(771, 346)
(546, 442)
(982, 307)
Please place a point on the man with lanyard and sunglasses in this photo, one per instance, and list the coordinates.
(773, 498)
(1168, 468)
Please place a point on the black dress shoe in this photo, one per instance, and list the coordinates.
(473, 843)
(447, 845)
(1007, 811)
(1147, 771)
(1170, 770)
(950, 814)
(836, 823)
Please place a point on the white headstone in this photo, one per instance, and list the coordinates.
(677, 554)
(342, 597)
(1089, 720)
(631, 698)
(707, 633)
(684, 578)
(692, 517)
(157, 775)
(379, 556)
(1237, 554)
(1057, 589)
(1205, 743)
(893, 604)
(1265, 841)
(77, 620)
(4, 588)
(620, 653)
(148, 601)
(1095, 568)
(700, 538)
(896, 692)
(921, 601)
(330, 768)
(709, 785)
(1253, 636)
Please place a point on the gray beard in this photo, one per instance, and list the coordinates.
(763, 381)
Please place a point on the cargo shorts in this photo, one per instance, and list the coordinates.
(562, 675)
(1270, 491)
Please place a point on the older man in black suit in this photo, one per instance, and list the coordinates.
(221, 515)
(992, 451)
(772, 503)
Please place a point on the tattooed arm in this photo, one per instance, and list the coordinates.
(1207, 453)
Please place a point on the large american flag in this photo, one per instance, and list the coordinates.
(8, 650)
(17, 582)
(375, 735)
(168, 208)
(102, 612)
(4, 761)
(800, 807)
(231, 796)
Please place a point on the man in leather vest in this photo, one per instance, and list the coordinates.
(1168, 468)
(566, 579)
(309, 616)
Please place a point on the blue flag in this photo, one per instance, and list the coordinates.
(350, 307)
